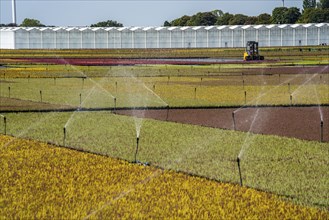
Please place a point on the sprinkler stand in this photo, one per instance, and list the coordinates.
(115, 103)
(80, 100)
(245, 97)
(40, 96)
(321, 131)
(290, 99)
(5, 124)
(195, 93)
(167, 113)
(137, 142)
(116, 87)
(243, 84)
(238, 160)
(233, 116)
(64, 139)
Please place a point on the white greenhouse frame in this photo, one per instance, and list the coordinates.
(163, 37)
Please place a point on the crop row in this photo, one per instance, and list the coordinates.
(43, 181)
(290, 167)
(172, 91)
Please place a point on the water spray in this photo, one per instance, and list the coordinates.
(64, 139)
(9, 92)
(238, 161)
(233, 116)
(321, 131)
(137, 142)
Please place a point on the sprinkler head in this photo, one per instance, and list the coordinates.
(321, 123)
(238, 160)
(137, 139)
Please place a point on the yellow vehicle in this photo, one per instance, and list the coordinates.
(252, 52)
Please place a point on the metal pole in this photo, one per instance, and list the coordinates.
(238, 160)
(321, 131)
(5, 123)
(137, 142)
(64, 136)
(245, 97)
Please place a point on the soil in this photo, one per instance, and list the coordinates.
(297, 122)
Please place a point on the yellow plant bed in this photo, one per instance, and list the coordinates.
(44, 181)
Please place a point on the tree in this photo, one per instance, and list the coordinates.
(292, 15)
(108, 23)
(182, 21)
(224, 19)
(283, 15)
(29, 22)
(264, 19)
(309, 4)
(166, 24)
(315, 15)
(202, 19)
(251, 20)
(324, 4)
(238, 19)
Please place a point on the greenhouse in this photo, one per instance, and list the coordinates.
(163, 37)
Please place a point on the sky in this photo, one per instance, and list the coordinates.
(129, 12)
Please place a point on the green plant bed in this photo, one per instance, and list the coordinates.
(293, 168)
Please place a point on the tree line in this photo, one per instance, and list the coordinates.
(312, 12)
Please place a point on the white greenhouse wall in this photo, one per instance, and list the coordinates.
(163, 37)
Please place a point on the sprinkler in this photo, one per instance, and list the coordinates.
(243, 84)
(137, 142)
(201, 81)
(245, 97)
(116, 87)
(80, 99)
(169, 79)
(5, 124)
(238, 160)
(9, 92)
(64, 130)
(153, 87)
(290, 99)
(195, 93)
(167, 113)
(321, 131)
(233, 116)
(115, 103)
(40, 96)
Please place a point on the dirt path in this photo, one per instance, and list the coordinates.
(297, 122)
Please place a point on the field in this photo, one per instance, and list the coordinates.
(194, 119)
